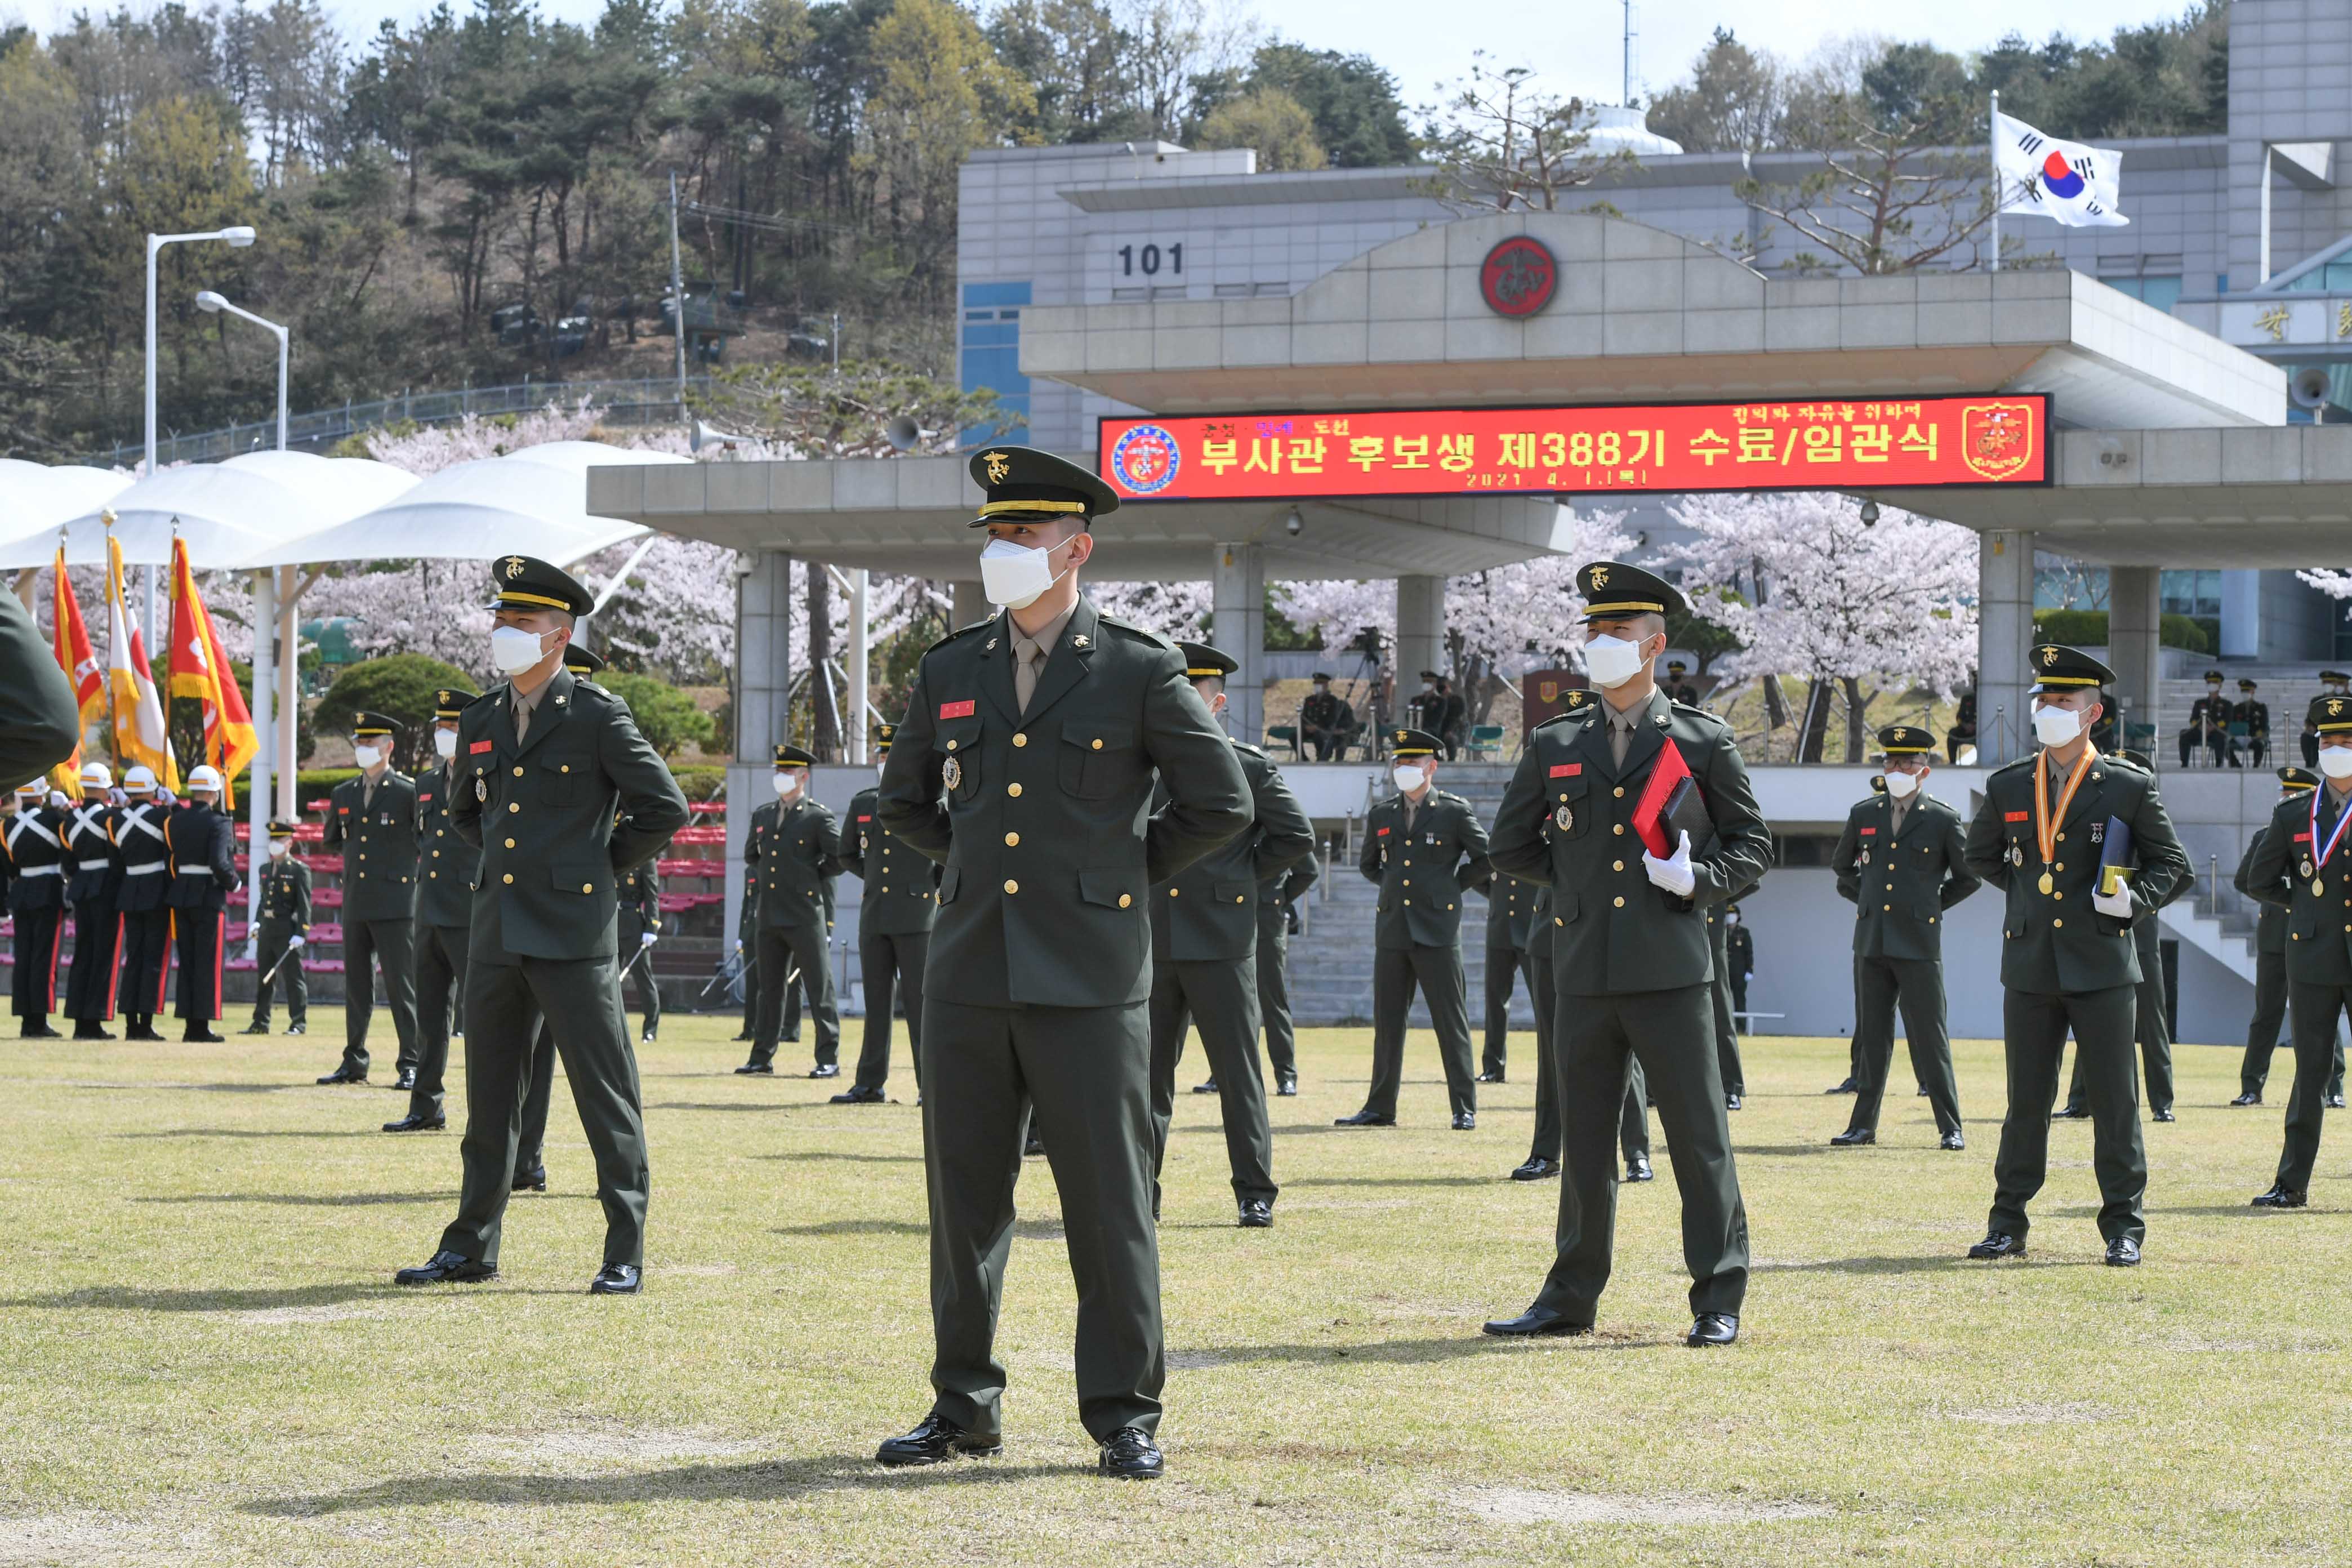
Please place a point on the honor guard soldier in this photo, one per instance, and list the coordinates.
(1902, 863)
(1510, 924)
(2255, 715)
(146, 911)
(796, 847)
(1423, 849)
(1205, 959)
(2270, 969)
(895, 907)
(1633, 1124)
(1326, 721)
(32, 847)
(2209, 722)
(2067, 955)
(202, 844)
(1026, 764)
(93, 888)
(1634, 962)
(1677, 686)
(373, 820)
(560, 792)
(2300, 865)
(446, 868)
(2151, 1023)
(285, 934)
(1277, 915)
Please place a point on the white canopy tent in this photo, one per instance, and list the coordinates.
(228, 512)
(36, 498)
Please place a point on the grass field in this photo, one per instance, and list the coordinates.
(202, 1358)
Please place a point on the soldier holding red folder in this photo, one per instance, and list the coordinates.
(1593, 813)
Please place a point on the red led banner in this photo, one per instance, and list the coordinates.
(1828, 444)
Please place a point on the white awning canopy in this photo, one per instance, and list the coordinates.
(36, 499)
(531, 502)
(228, 512)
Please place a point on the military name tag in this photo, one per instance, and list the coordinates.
(1564, 818)
(953, 774)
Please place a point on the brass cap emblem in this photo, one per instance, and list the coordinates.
(1601, 576)
(2048, 655)
(514, 567)
(999, 465)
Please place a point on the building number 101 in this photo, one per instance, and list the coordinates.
(1147, 259)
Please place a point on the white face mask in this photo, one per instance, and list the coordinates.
(278, 848)
(2336, 762)
(1409, 779)
(445, 743)
(1015, 575)
(1613, 661)
(514, 650)
(2056, 726)
(788, 784)
(1900, 785)
(367, 756)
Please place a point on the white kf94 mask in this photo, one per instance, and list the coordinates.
(1015, 575)
(2056, 726)
(1900, 785)
(1613, 661)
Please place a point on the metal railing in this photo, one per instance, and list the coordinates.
(648, 400)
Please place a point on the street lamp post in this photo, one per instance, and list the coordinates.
(238, 238)
(264, 594)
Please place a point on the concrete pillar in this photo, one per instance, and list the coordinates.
(763, 674)
(1420, 630)
(2132, 641)
(971, 605)
(859, 668)
(2004, 636)
(1240, 631)
(2241, 612)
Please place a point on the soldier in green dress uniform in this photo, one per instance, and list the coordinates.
(2151, 1019)
(1026, 764)
(560, 793)
(2067, 955)
(795, 845)
(446, 871)
(1510, 923)
(1633, 959)
(1677, 685)
(1205, 959)
(40, 723)
(2209, 723)
(2255, 715)
(2301, 864)
(1901, 862)
(2270, 969)
(373, 820)
(1634, 1125)
(284, 935)
(895, 908)
(1326, 721)
(1424, 848)
(1727, 1021)
(1278, 911)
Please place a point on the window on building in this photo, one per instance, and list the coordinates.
(2197, 595)
(2160, 292)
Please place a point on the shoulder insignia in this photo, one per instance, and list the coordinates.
(1245, 746)
(1140, 633)
(961, 632)
(2018, 766)
(1559, 719)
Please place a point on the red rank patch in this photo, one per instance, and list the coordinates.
(963, 710)
(1867, 832)
(2017, 816)
(2302, 838)
(343, 811)
(478, 748)
(1567, 770)
(1383, 833)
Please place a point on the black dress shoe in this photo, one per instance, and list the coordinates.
(40, 1032)
(2123, 1252)
(406, 1080)
(343, 1075)
(825, 1069)
(1920, 1092)
(1208, 1087)
(1730, 1102)
(1286, 1086)
(531, 1181)
(935, 1440)
(417, 1124)
(1848, 1087)
(1853, 1138)
(1539, 1168)
(646, 1039)
(1536, 1322)
(255, 1029)
(447, 1269)
(746, 1035)
(298, 1027)
(2074, 1111)
(1130, 1455)
(2252, 1096)
(197, 1035)
(2282, 1196)
(748, 1068)
(1364, 1119)
(617, 1279)
(2165, 1115)
(86, 1029)
(141, 1030)
(1952, 1140)
(1998, 1244)
(1711, 1329)
(858, 1094)
(2335, 1103)
(1495, 1077)
(1638, 1169)
(1257, 1214)
(1466, 1121)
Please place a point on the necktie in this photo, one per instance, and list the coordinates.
(1024, 673)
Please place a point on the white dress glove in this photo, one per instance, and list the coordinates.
(294, 941)
(1674, 873)
(647, 940)
(2117, 903)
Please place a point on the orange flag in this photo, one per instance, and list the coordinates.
(80, 662)
(199, 670)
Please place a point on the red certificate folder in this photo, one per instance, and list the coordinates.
(1650, 819)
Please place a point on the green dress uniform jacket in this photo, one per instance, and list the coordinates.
(2067, 966)
(40, 725)
(1633, 966)
(377, 836)
(446, 870)
(2270, 990)
(896, 905)
(1326, 721)
(285, 914)
(1424, 870)
(559, 814)
(1039, 967)
(794, 851)
(1901, 881)
(2283, 870)
(1204, 970)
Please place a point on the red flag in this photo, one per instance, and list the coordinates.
(80, 662)
(1667, 771)
(199, 670)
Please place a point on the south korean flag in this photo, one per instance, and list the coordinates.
(2076, 184)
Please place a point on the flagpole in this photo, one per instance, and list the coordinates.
(1992, 148)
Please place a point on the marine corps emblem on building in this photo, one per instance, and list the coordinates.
(1996, 440)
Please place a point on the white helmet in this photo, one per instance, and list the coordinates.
(33, 788)
(97, 776)
(139, 780)
(204, 780)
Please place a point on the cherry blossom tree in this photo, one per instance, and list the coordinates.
(1842, 599)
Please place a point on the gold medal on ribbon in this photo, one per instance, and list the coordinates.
(2045, 823)
(2046, 884)
(2318, 886)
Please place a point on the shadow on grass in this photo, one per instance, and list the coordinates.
(314, 1200)
(2225, 1211)
(1957, 1261)
(1791, 1150)
(252, 1132)
(200, 1087)
(1470, 1343)
(1392, 1180)
(730, 1105)
(129, 1298)
(688, 1483)
(842, 1155)
(855, 1228)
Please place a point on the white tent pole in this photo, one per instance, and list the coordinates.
(287, 732)
(265, 725)
(605, 594)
